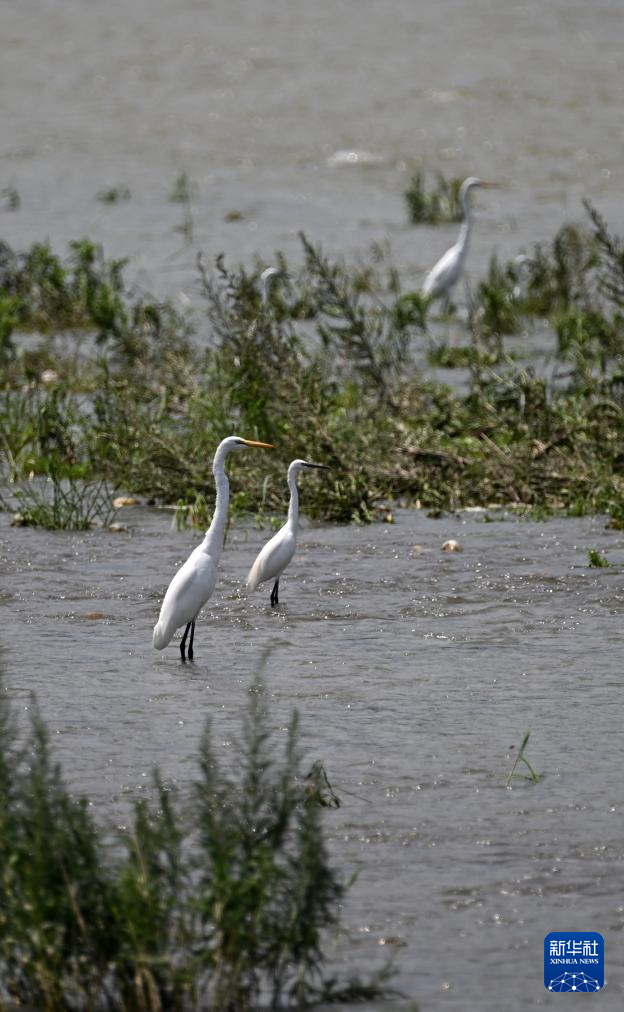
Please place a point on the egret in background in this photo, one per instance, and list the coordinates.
(444, 276)
(278, 552)
(195, 581)
(267, 278)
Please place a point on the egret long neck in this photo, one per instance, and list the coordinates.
(293, 506)
(466, 225)
(213, 540)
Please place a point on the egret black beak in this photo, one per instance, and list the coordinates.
(321, 467)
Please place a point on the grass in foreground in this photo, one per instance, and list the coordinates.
(221, 904)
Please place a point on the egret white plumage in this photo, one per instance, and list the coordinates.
(278, 552)
(446, 273)
(195, 581)
(267, 278)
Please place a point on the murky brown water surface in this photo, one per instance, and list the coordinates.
(416, 672)
(257, 101)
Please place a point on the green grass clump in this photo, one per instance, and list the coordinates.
(497, 307)
(113, 194)
(437, 204)
(218, 902)
(596, 559)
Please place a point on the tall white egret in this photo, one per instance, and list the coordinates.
(278, 552)
(444, 276)
(195, 581)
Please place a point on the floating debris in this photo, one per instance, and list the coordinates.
(124, 500)
(452, 546)
(341, 158)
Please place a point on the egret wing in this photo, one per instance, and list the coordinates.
(187, 593)
(273, 558)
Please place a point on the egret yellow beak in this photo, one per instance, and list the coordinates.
(489, 184)
(253, 442)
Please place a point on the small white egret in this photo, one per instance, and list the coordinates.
(444, 276)
(267, 278)
(195, 581)
(278, 552)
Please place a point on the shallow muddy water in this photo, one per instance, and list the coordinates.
(305, 116)
(416, 673)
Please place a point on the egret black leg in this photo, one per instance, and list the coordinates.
(190, 649)
(274, 594)
(183, 643)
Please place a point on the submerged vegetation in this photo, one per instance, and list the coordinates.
(116, 387)
(113, 194)
(59, 503)
(218, 902)
(596, 559)
(531, 776)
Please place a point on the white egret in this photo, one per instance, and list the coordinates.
(444, 276)
(267, 278)
(195, 581)
(278, 552)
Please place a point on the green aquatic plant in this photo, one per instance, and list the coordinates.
(496, 307)
(59, 503)
(610, 250)
(363, 336)
(596, 559)
(196, 514)
(559, 275)
(217, 902)
(9, 319)
(410, 310)
(11, 198)
(576, 282)
(531, 776)
(447, 356)
(38, 281)
(439, 203)
(84, 293)
(113, 194)
(184, 192)
(184, 189)
(40, 432)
